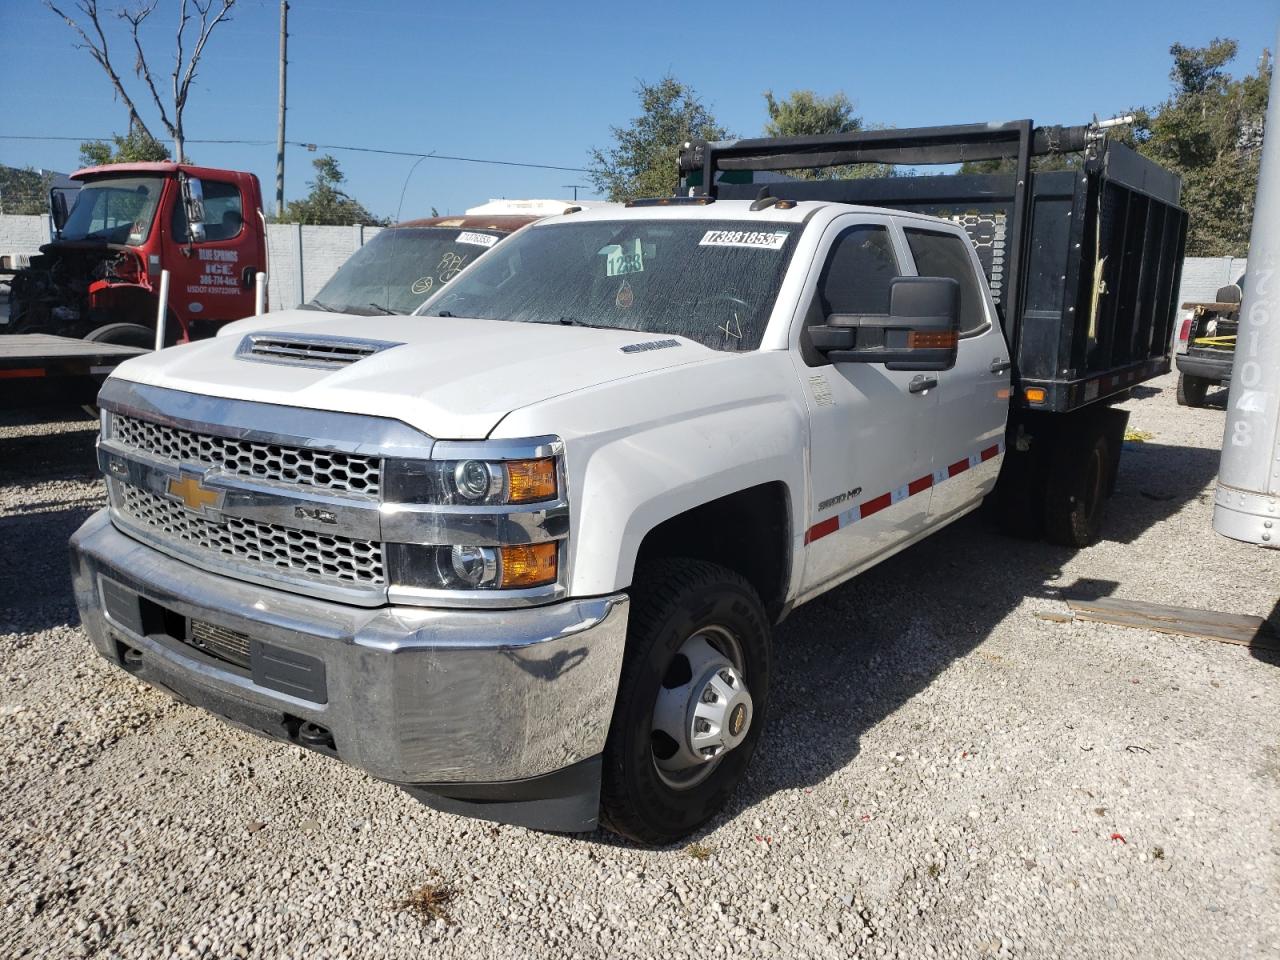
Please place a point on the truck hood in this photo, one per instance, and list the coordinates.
(452, 377)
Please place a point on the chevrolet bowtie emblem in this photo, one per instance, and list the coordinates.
(192, 494)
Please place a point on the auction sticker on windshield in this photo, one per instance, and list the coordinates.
(477, 239)
(762, 239)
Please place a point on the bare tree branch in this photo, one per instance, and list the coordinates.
(185, 66)
(183, 17)
(140, 67)
(100, 53)
(206, 28)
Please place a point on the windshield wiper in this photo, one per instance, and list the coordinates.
(381, 309)
(575, 322)
(318, 305)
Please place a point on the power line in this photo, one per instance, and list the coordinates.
(433, 155)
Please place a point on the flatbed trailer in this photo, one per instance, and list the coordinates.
(1083, 263)
(38, 369)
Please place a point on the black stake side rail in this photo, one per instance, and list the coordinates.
(959, 143)
(1109, 229)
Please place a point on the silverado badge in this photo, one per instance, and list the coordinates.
(192, 494)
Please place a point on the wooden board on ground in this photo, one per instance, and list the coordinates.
(1187, 621)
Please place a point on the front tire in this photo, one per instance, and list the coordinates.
(123, 335)
(691, 700)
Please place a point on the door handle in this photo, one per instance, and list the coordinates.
(920, 383)
(1000, 366)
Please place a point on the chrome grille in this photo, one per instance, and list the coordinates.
(345, 472)
(266, 546)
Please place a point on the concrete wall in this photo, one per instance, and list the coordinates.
(23, 234)
(299, 259)
(1202, 276)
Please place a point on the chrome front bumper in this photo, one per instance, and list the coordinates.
(412, 695)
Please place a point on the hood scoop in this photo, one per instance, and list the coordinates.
(316, 350)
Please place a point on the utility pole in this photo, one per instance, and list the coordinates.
(574, 187)
(284, 64)
(1246, 505)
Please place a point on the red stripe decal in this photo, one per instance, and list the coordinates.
(960, 466)
(919, 486)
(876, 505)
(988, 453)
(21, 372)
(822, 528)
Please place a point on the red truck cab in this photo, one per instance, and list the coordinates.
(100, 278)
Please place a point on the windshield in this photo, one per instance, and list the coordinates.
(118, 210)
(396, 270)
(712, 281)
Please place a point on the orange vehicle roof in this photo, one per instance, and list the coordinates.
(506, 222)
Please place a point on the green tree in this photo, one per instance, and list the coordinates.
(327, 203)
(643, 159)
(137, 146)
(24, 191)
(1210, 132)
(804, 113)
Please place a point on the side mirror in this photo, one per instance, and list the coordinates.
(921, 332)
(193, 206)
(59, 209)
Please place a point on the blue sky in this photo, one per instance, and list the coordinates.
(544, 82)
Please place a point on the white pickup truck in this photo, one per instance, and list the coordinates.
(520, 552)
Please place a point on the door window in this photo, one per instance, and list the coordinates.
(947, 255)
(223, 212)
(858, 272)
(856, 278)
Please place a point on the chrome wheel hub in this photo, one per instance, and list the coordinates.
(703, 709)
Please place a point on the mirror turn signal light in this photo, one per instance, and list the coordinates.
(528, 565)
(943, 340)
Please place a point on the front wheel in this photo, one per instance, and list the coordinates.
(124, 335)
(691, 700)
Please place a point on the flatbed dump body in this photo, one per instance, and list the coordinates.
(1084, 263)
(39, 368)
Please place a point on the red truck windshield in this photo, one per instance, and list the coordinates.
(116, 210)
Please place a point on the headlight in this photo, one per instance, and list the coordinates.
(484, 523)
(497, 568)
(465, 567)
(478, 482)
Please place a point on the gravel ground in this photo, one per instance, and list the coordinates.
(944, 774)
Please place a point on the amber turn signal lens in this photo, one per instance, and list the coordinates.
(1034, 394)
(530, 480)
(944, 340)
(528, 565)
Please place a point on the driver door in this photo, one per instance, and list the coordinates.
(872, 430)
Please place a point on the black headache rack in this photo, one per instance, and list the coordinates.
(1084, 264)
